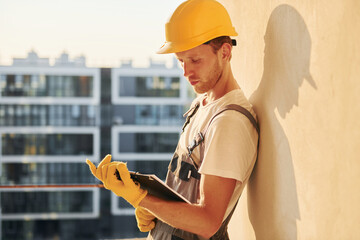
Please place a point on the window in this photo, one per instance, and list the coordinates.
(164, 115)
(46, 202)
(46, 85)
(43, 173)
(46, 144)
(156, 86)
(49, 203)
(148, 142)
(144, 142)
(43, 115)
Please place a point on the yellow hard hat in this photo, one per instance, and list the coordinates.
(195, 22)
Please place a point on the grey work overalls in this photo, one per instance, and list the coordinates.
(184, 178)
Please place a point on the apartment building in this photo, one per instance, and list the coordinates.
(53, 117)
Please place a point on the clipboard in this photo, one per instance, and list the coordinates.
(155, 186)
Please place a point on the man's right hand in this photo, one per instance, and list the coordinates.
(125, 188)
(97, 172)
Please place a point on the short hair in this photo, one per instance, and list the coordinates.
(216, 43)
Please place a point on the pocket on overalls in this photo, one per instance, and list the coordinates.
(183, 176)
(187, 171)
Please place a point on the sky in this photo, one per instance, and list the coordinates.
(104, 31)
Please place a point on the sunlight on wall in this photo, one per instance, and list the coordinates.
(298, 64)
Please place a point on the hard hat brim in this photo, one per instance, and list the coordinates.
(186, 44)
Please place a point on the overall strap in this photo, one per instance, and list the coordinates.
(189, 114)
(236, 108)
(199, 139)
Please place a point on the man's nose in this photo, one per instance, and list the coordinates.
(187, 70)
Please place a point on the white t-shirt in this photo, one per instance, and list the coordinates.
(230, 142)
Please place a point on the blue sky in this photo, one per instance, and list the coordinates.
(104, 31)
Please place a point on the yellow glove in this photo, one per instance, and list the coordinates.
(126, 188)
(145, 220)
(97, 172)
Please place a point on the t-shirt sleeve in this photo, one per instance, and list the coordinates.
(230, 146)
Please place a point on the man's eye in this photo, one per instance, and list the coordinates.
(195, 60)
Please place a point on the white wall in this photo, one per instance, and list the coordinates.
(299, 63)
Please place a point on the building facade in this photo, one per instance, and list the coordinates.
(53, 117)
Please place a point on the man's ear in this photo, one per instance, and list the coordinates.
(226, 51)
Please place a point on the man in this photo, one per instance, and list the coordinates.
(218, 146)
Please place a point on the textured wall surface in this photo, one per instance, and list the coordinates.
(299, 63)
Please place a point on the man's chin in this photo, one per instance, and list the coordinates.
(198, 91)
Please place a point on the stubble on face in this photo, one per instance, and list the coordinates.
(210, 80)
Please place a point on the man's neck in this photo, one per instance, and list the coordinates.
(224, 86)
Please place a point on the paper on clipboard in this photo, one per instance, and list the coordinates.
(156, 187)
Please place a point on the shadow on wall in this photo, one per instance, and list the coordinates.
(272, 195)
